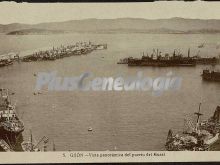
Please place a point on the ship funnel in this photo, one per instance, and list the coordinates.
(188, 52)
(174, 52)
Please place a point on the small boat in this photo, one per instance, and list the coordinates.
(101, 47)
(90, 129)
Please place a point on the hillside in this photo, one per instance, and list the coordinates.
(34, 31)
(120, 25)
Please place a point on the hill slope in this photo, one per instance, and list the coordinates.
(173, 25)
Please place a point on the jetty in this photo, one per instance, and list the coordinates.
(77, 49)
(80, 48)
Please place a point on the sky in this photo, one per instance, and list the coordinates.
(30, 13)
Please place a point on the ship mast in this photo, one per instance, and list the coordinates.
(174, 52)
(188, 52)
(198, 117)
(31, 140)
(54, 147)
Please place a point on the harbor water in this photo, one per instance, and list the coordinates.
(120, 120)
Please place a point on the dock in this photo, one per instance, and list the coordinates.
(80, 48)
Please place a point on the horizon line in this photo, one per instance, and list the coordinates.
(110, 19)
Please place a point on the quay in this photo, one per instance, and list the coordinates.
(80, 48)
(77, 49)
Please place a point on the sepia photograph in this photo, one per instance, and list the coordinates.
(109, 77)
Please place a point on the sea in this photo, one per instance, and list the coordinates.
(120, 120)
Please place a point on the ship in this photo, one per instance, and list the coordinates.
(207, 60)
(163, 61)
(201, 45)
(208, 75)
(196, 137)
(124, 60)
(4, 147)
(177, 59)
(5, 62)
(7, 59)
(11, 127)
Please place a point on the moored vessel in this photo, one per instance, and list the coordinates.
(8, 59)
(196, 137)
(5, 62)
(11, 127)
(163, 61)
(211, 75)
(124, 60)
